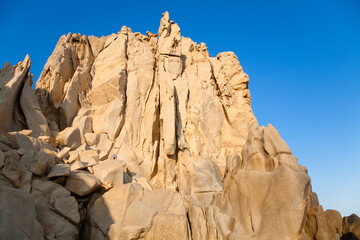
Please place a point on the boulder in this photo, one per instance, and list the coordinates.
(82, 183)
(89, 158)
(110, 208)
(56, 210)
(17, 215)
(59, 170)
(69, 137)
(110, 171)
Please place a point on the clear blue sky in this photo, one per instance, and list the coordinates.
(303, 59)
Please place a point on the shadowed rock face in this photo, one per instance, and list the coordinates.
(133, 136)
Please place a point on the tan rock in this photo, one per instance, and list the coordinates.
(92, 138)
(19, 140)
(74, 155)
(18, 218)
(69, 137)
(82, 183)
(66, 74)
(11, 81)
(204, 178)
(12, 169)
(351, 227)
(110, 171)
(51, 215)
(67, 207)
(136, 223)
(317, 225)
(170, 220)
(335, 220)
(64, 153)
(35, 120)
(59, 170)
(77, 165)
(251, 195)
(89, 158)
(111, 207)
(39, 167)
(109, 119)
(197, 164)
(54, 225)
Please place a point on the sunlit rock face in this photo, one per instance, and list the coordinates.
(134, 136)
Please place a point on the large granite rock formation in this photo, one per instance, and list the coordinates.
(135, 136)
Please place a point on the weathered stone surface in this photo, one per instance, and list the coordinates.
(204, 178)
(17, 215)
(170, 220)
(35, 120)
(92, 138)
(69, 137)
(89, 158)
(351, 227)
(12, 169)
(82, 183)
(11, 80)
(68, 208)
(166, 129)
(252, 194)
(110, 171)
(108, 118)
(317, 225)
(53, 219)
(110, 208)
(59, 170)
(64, 153)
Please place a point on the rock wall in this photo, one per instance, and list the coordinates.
(133, 136)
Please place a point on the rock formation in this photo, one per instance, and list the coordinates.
(133, 136)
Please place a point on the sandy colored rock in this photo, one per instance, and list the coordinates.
(137, 220)
(170, 220)
(256, 187)
(81, 183)
(108, 119)
(12, 169)
(18, 217)
(64, 153)
(351, 226)
(59, 170)
(35, 120)
(110, 208)
(39, 167)
(89, 157)
(67, 207)
(69, 137)
(92, 138)
(153, 139)
(11, 80)
(45, 194)
(110, 171)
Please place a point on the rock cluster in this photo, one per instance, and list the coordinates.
(135, 136)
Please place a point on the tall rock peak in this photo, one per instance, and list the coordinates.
(130, 123)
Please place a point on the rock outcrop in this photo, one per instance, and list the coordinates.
(135, 136)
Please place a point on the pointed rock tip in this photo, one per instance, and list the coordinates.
(27, 61)
(166, 16)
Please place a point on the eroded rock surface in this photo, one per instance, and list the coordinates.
(133, 136)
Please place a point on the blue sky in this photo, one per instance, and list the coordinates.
(302, 57)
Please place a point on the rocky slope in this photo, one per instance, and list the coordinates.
(135, 136)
